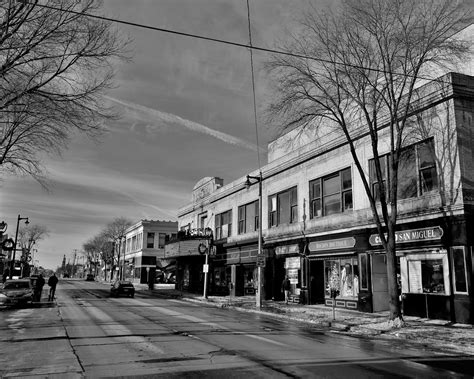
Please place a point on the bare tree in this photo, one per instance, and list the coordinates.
(368, 58)
(28, 236)
(99, 247)
(55, 63)
(115, 232)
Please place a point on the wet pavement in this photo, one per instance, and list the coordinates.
(436, 335)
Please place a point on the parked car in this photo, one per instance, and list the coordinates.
(90, 278)
(17, 291)
(122, 287)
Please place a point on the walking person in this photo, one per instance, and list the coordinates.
(52, 282)
(286, 288)
(39, 287)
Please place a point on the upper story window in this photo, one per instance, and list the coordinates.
(283, 207)
(223, 225)
(161, 240)
(331, 194)
(248, 217)
(150, 240)
(416, 171)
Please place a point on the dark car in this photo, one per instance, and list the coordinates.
(17, 291)
(122, 287)
(90, 278)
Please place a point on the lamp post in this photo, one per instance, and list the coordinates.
(260, 256)
(12, 263)
(122, 271)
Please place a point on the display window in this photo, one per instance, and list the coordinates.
(220, 279)
(342, 275)
(250, 279)
(425, 273)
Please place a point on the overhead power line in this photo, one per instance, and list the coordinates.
(217, 40)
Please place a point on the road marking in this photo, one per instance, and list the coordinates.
(264, 339)
(117, 329)
(183, 316)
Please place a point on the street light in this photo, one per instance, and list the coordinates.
(260, 256)
(12, 263)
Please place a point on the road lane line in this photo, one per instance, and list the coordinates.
(118, 329)
(183, 316)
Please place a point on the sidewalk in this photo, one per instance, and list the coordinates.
(435, 335)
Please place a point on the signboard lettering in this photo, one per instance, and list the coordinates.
(414, 235)
(340, 243)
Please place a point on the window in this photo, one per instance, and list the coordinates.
(331, 194)
(248, 217)
(416, 171)
(161, 240)
(224, 224)
(425, 273)
(459, 269)
(342, 275)
(283, 207)
(150, 240)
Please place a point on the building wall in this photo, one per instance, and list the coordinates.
(444, 113)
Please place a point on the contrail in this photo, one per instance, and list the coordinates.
(191, 125)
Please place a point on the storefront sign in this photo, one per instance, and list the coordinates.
(292, 274)
(293, 262)
(334, 244)
(414, 235)
(287, 249)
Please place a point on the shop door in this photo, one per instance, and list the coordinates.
(379, 283)
(316, 282)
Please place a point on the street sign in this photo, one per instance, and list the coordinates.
(261, 260)
(205, 268)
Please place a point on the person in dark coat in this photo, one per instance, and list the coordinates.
(39, 287)
(286, 288)
(52, 282)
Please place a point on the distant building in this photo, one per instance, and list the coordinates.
(144, 248)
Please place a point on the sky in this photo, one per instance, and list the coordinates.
(186, 110)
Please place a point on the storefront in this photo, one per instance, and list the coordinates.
(287, 262)
(433, 274)
(335, 277)
(235, 271)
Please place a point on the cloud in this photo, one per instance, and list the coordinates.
(190, 125)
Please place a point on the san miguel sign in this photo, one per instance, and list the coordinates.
(413, 235)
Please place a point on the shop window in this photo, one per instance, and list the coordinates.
(331, 194)
(416, 171)
(150, 240)
(459, 269)
(364, 272)
(248, 217)
(283, 207)
(425, 273)
(432, 276)
(161, 240)
(220, 279)
(343, 275)
(250, 279)
(223, 224)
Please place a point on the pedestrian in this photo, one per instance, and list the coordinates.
(52, 282)
(39, 287)
(286, 288)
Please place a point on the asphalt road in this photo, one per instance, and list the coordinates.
(89, 334)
